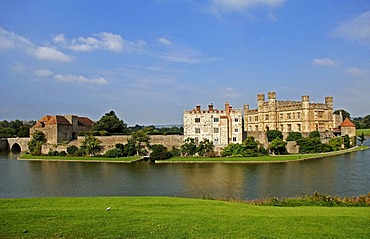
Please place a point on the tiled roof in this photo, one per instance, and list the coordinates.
(59, 120)
(347, 123)
(84, 121)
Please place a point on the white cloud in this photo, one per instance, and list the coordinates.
(48, 53)
(356, 72)
(10, 40)
(43, 72)
(80, 79)
(164, 41)
(357, 29)
(323, 62)
(218, 6)
(103, 41)
(17, 67)
(230, 93)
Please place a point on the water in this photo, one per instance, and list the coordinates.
(344, 175)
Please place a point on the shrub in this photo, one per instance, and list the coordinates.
(273, 134)
(294, 136)
(336, 143)
(72, 150)
(278, 146)
(159, 152)
(314, 134)
(112, 153)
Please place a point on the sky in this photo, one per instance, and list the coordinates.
(150, 60)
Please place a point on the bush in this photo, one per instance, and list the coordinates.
(273, 134)
(159, 152)
(336, 143)
(294, 136)
(113, 153)
(277, 146)
(72, 150)
(314, 134)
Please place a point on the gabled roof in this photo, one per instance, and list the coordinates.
(84, 121)
(347, 123)
(59, 120)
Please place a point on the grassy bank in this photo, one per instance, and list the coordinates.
(161, 217)
(79, 159)
(262, 159)
(365, 131)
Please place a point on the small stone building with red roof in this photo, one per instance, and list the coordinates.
(347, 127)
(59, 128)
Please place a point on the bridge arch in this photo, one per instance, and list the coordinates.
(18, 144)
(16, 148)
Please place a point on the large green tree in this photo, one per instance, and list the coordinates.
(345, 114)
(35, 144)
(110, 123)
(189, 148)
(139, 142)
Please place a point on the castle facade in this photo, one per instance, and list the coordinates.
(291, 116)
(221, 127)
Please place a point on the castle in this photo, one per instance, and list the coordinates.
(59, 129)
(223, 127)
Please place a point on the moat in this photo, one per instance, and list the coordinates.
(343, 175)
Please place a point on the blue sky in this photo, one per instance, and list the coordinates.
(150, 60)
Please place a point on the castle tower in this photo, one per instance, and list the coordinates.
(305, 113)
(272, 122)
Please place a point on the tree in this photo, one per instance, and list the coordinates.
(189, 148)
(362, 138)
(336, 143)
(277, 146)
(91, 145)
(35, 144)
(366, 122)
(205, 148)
(273, 134)
(159, 152)
(110, 123)
(140, 142)
(294, 136)
(346, 141)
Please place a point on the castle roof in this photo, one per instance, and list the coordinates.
(84, 121)
(61, 120)
(347, 123)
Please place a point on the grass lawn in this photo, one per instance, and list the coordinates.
(277, 158)
(162, 217)
(81, 159)
(365, 131)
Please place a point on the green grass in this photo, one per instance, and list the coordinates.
(86, 158)
(162, 217)
(365, 131)
(277, 158)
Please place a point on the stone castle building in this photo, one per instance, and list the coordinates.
(221, 127)
(291, 116)
(59, 129)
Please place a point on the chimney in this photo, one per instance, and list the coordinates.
(227, 108)
(197, 108)
(210, 107)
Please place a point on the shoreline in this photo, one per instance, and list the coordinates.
(205, 161)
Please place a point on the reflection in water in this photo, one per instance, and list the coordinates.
(345, 175)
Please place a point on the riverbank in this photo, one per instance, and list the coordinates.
(163, 217)
(91, 159)
(261, 159)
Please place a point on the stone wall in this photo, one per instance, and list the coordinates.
(109, 142)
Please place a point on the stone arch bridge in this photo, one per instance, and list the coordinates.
(18, 144)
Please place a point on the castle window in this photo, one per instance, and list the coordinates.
(216, 130)
(256, 118)
(234, 139)
(197, 120)
(250, 118)
(298, 115)
(282, 127)
(197, 130)
(256, 127)
(267, 117)
(289, 115)
(320, 114)
(289, 127)
(299, 127)
(293, 115)
(236, 120)
(215, 141)
(236, 130)
(196, 140)
(281, 116)
(216, 120)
